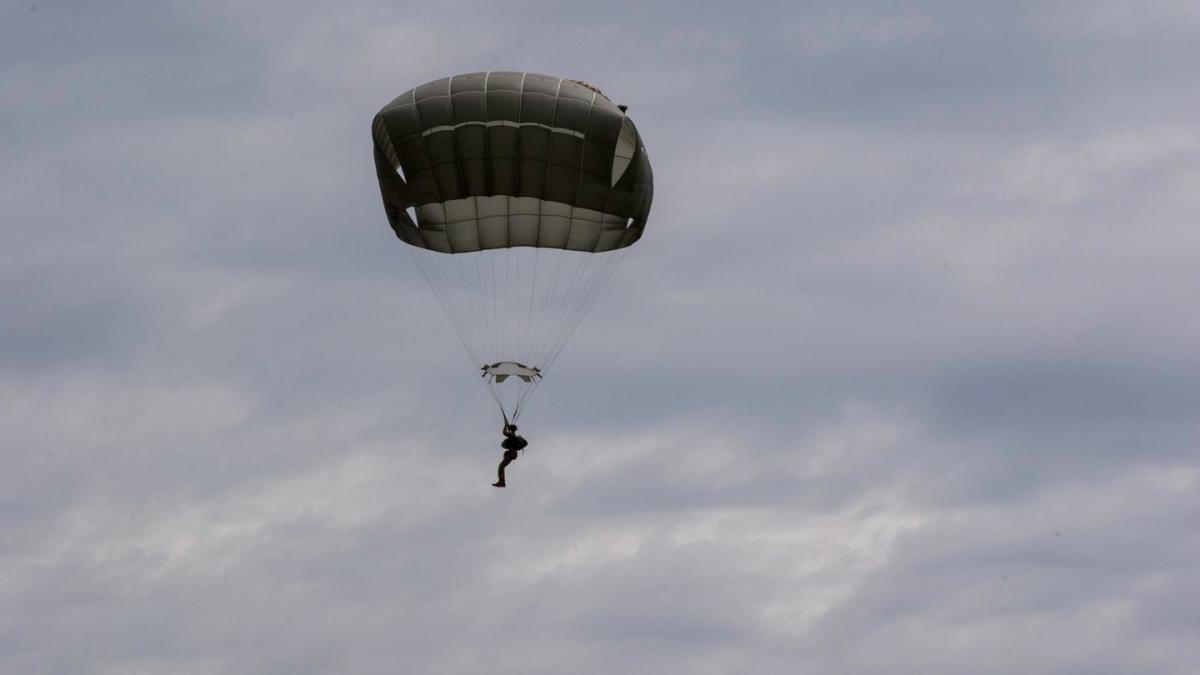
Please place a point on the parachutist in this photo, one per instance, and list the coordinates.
(512, 445)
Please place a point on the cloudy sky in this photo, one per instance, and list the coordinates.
(903, 377)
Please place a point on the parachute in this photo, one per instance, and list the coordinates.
(517, 195)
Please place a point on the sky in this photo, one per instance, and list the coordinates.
(902, 377)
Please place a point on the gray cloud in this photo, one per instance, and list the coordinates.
(901, 377)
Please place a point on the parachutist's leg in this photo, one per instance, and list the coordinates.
(500, 472)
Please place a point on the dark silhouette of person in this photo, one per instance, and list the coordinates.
(512, 445)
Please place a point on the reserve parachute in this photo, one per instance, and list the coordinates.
(517, 195)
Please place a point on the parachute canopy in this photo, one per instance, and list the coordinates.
(493, 160)
(517, 195)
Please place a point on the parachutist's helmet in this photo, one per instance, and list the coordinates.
(510, 429)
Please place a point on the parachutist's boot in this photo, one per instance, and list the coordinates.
(498, 484)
